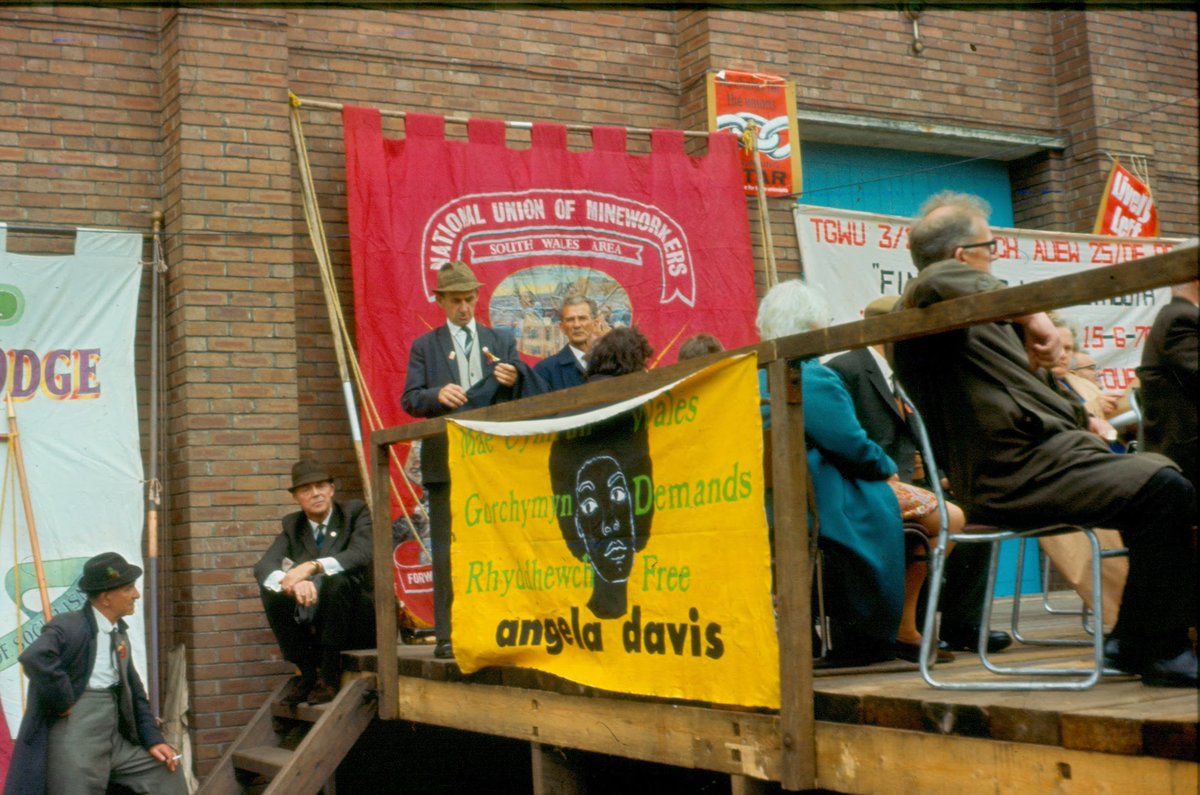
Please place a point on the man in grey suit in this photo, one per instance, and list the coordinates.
(447, 368)
(577, 320)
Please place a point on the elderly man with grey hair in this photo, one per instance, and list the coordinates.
(1017, 453)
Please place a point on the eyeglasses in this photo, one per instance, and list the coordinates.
(991, 245)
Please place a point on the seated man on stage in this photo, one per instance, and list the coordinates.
(315, 582)
(88, 722)
(1018, 453)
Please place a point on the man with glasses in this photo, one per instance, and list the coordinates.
(1018, 453)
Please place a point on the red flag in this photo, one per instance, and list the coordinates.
(1127, 209)
(660, 241)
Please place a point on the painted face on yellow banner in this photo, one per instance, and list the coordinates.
(604, 518)
(599, 473)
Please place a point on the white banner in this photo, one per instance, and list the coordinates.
(66, 354)
(855, 258)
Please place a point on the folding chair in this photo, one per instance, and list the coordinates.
(1077, 678)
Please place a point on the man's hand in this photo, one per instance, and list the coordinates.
(304, 592)
(297, 575)
(165, 754)
(1102, 428)
(1108, 404)
(452, 396)
(506, 374)
(1041, 340)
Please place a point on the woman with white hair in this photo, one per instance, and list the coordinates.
(861, 536)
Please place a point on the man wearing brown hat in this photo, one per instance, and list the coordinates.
(443, 366)
(88, 721)
(315, 582)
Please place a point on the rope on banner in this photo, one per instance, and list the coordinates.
(341, 334)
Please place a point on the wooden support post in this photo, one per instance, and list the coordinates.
(554, 773)
(792, 580)
(385, 600)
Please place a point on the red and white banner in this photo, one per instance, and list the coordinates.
(855, 258)
(661, 241)
(1127, 209)
(738, 99)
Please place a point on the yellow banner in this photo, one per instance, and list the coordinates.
(629, 553)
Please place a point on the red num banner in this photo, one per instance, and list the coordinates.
(1127, 209)
(661, 242)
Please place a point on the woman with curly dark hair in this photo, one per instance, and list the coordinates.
(620, 351)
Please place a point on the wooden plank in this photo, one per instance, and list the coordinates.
(316, 759)
(385, 590)
(222, 779)
(1173, 267)
(266, 760)
(726, 741)
(554, 773)
(864, 759)
(792, 578)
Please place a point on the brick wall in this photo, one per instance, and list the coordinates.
(108, 114)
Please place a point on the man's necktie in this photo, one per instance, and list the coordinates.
(468, 342)
(320, 536)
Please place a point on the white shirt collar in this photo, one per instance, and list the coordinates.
(884, 367)
(456, 330)
(313, 525)
(102, 623)
(579, 355)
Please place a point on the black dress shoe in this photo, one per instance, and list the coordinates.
(443, 650)
(911, 652)
(1178, 671)
(297, 691)
(1116, 658)
(967, 639)
(321, 693)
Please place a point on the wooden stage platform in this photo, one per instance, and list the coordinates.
(879, 729)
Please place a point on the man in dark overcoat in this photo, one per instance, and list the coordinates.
(87, 721)
(1017, 453)
(1170, 383)
(577, 321)
(315, 582)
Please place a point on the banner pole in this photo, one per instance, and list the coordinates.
(153, 486)
(316, 234)
(764, 219)
(14, 446)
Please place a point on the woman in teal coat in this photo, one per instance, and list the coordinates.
(861, 535)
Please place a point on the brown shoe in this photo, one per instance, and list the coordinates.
(297, 691)
(321, 693)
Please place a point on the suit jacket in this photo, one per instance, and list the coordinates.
(560, 371)
(1011, 445)
(875, 405)
(430, 368)
(347, 539)
(1170, 385)
(58, 665)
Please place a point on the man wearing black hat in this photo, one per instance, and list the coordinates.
(315, 582)
(88, 721)
(443, 366)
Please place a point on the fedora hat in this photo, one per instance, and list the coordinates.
(305, 472)
(107, 571)
(456, 277)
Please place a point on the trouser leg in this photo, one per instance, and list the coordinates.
(79, 755)
(964, 590)
(133, 767)
(345, 619)
(1159, 601)
(296, 642)
(439, 528)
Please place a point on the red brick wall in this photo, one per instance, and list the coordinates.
(109, 114)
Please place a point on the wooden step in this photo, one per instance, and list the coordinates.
(266, 760)
(310, 713)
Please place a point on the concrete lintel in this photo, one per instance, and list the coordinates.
(844, 128)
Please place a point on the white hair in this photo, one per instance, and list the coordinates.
(791, 307)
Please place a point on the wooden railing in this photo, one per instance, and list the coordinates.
(797, 765)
